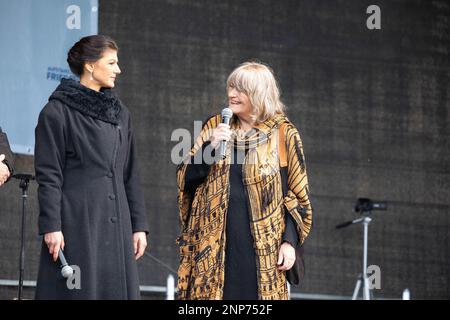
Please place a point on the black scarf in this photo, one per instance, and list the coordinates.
(103, 105)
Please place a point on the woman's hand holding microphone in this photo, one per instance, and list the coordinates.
(221, 133)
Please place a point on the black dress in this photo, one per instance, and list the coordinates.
(240, 258)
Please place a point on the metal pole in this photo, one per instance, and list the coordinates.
(366, 293)
(406, 294)
(170, 287)
(22, 246)
(357, 287)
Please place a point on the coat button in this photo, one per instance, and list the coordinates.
(110, 174)
(112, 196)
(113, 219)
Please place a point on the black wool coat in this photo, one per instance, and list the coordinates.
(89, 188)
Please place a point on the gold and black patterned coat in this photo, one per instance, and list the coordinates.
(203, 214)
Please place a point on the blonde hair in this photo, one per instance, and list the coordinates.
(257, 81)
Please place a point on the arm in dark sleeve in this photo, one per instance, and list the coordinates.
(290, 234)
(197, 170)
(49, 162)
(133, 187)
(5, 149)
(10, 169)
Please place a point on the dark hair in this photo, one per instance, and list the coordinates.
(88, 49)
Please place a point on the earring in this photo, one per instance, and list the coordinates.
(90, 77)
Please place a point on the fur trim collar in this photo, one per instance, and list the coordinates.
(103, 105)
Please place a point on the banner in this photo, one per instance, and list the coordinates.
(35, 37)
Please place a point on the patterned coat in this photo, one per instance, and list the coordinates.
(203, 215)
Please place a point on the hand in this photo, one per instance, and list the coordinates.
(54, 241)
(220, 133)
(286, 257)
(140, 243)
(4, 171)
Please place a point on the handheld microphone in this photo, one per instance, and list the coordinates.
(226, 117)
(66, 270)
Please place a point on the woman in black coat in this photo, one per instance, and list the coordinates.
(91, 203)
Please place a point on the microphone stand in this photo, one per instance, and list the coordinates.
(24, 182)
(362, 278)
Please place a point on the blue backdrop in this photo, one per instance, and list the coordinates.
(35, 37)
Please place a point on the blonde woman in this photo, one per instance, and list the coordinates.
(239, 229)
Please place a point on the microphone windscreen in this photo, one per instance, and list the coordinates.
(67, 271)
(227, 113)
